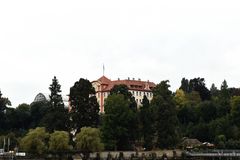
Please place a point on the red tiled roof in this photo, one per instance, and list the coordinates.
(131, 84)
(104, 80)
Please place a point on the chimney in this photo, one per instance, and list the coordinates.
(139, 79)
(118, 78)
(128, 78)
(133, 79)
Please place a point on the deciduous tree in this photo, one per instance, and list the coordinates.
(35, 141)
(89, 140)
(59, 143)
(118, 123)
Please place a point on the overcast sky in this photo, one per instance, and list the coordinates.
(151, 40)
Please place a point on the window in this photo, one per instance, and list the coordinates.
(140, 93)
(137, 93)
(133, 93)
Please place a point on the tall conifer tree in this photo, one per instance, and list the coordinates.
(165, 114)
(57, 117)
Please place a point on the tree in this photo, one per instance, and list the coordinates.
(224, 92)
(234, 91)
(59, 143)
(198, 84)
(23, 116)
(185, 85)
(220, 141)
(180, 98)
(35, 141)
(84, 107)
(11, 119)
(55, 95)
(8, 141)
(147, 122)
(166, 118)
(224, 100)
(187, 114)
(123, 89)
(57, 117)
(118, 122)
(201, 131)
(38, 111)
(214, 91)
(235, 110)
(207, 110)
(89, 140)
(4, 102)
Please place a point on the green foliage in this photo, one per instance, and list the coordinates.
(166, 118)
(202, 132)
(123, 89)
(35, 141)
(185, 85)
(214, 91)
(224, 92)
(118, 122)
(207, 110)
(57, 117)
(180, 98)
(11, 141)
(38, 110)
(187, 114)
(193, 98)
(198, 85)
(55, 95)
(220, 141)
(89, 140)
(4, 102)
(233, 144)
(147, 121)
(235, 109)
(59, 142)
(24, 116)
(134, 129)
(84, 106)
(192, 111)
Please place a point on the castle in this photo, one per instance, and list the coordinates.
(137, 87)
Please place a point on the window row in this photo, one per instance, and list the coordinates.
(140, 93)
(134, 93)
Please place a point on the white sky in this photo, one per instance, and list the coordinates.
(151, 40)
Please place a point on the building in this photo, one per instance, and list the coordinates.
(137, 87)
(41, 97)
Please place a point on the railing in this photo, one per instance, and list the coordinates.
(214, 153)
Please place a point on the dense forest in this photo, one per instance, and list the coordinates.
(193, 111)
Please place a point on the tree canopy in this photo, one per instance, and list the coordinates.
(89, 140)
(84, 105)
